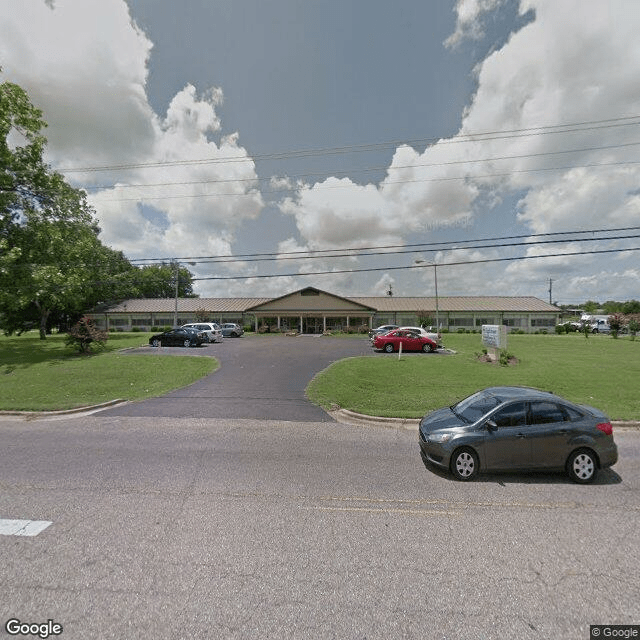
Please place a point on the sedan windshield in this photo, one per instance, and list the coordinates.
(474, 407)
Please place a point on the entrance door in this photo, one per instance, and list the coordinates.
(312, 325)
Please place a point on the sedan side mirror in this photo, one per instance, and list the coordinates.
(491, 425)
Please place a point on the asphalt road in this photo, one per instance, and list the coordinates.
(172, 528)
(172, 521)
(259, 377)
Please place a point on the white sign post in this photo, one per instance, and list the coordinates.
(494, 337)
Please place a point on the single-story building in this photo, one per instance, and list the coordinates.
(311, 310)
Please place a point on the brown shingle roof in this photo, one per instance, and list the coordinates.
(459, 303)
(381, 303)
(185, 305)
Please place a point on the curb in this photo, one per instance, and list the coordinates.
(345, 416)
(32, 415)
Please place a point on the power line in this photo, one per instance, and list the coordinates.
(330, 173)
(255, 193)
(388, 249)
(442, 264)
(484, 136)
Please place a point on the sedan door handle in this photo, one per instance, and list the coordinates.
(521, 435)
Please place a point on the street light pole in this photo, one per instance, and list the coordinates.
(435, 278)
(175, 310)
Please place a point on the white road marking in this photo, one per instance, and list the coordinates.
(22, 527)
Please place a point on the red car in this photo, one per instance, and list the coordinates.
(410, 341)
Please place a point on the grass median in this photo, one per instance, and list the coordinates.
(47, 375)
(598, 371)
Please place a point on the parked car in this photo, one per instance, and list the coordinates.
(410, 341)
(229, 329)
(518, 428)
(210, 329)
(178, 337)
(385, 328)
(432, 335)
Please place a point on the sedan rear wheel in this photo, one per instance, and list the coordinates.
(582, 466)
(465, 464)
(156, 343)
(187, 343)
(388, 348)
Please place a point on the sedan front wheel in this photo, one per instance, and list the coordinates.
(465, 464)
(156, 343)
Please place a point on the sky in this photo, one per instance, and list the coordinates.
(349, 145)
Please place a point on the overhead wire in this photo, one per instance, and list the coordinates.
(401, 248)
(589, 125)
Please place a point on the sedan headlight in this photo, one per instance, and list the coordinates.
(439, 437)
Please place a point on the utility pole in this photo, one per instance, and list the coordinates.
(550, 287)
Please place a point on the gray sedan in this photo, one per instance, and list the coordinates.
(518, 428)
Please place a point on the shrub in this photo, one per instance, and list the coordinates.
(560, 329)
(615, 322)
(505, 357)
(85, 333)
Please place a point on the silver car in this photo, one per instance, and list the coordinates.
(518, 428)
(211, 330)
(231, 330)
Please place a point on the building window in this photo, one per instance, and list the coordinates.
(461, 322)
(514, 322)
(543, 322)
(481, 321)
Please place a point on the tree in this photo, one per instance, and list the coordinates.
(590, 306)
(51, 260)
(159, 281)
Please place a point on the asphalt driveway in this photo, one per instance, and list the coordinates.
(260, 377)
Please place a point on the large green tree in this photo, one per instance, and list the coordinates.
(51, 260)
(159, 281)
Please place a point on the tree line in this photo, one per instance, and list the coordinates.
(53, 266)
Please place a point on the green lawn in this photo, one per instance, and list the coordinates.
(39, 375)
(599, 371)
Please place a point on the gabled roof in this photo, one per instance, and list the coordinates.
(313, 299)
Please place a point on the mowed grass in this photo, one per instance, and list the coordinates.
(46, 375)
(598, 371)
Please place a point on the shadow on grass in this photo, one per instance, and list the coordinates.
(22, 352)
(603, 477)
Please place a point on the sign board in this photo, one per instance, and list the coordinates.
(494, 335)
